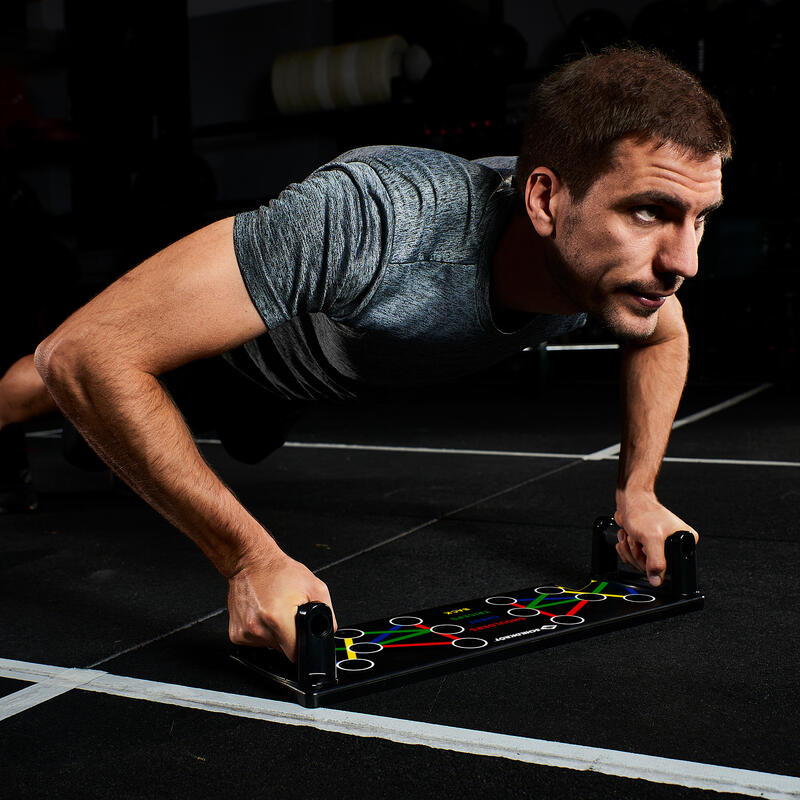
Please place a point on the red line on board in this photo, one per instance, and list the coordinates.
(436, 633)
(577, 608)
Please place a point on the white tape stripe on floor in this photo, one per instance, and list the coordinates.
(444, 516)
(734, 401)
(387, 448)
(484, 743)
(734, 462)
(56, 681)
(613, 450)
(607, 453)
(610, 453)
(158, 638)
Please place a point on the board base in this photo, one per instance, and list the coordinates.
(378, 654)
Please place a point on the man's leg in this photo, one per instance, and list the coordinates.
(23, 397)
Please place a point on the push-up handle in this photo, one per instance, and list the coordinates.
(316, 663)
(679, 550)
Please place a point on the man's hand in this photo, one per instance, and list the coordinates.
(263, 596)
(645, 524)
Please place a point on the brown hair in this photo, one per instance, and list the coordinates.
(577, 115)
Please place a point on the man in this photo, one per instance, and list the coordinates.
(403, 264)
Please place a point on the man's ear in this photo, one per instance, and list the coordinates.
(545, 194)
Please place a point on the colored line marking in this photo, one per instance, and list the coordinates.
(558, 603)
(605, 594)
(413, 635)
(385, 634)
(436, 633)
(350, 653)
(538, 600)
(419, 644)
(577, 608)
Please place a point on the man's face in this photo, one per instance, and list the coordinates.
(632, 240)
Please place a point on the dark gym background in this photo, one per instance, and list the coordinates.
(125, 125)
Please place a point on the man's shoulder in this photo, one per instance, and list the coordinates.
(427, 164)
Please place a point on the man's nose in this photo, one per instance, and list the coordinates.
(677, 252)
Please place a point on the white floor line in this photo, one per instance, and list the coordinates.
(735, 462)
(158, 638)
(385, 448)
(613, 450)
(444, 516)
(55, 433)
(734, 401)
(610, 453)
(57, 682)
(655, 769)
(607, 453)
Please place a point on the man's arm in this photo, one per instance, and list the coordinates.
(101, 366)
(653, 377)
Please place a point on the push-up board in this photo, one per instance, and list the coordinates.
(356, 659)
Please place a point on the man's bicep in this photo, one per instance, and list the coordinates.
(186, 302)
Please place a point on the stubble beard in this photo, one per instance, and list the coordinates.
(623, 322)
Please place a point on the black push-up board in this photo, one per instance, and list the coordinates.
(361, 658)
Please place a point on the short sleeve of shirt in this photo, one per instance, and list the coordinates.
(318, 247)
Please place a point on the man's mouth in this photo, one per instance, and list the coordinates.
(651, 301)
(651, 298)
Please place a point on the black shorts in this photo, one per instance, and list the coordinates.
(214, 397)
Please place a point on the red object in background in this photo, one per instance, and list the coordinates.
(19, 122)
(14, 105)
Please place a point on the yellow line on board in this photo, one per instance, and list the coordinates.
(599, 594)
(347, 643)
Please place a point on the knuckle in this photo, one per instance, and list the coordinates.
(236, 635)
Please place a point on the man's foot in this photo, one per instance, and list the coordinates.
(16, 487)
(17, 495)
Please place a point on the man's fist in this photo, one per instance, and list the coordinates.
(263, 596)
(645, 524)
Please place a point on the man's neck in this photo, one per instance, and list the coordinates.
(521, 282)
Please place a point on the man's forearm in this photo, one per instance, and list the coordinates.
(130, 420)
(187, 302)
(653, 378)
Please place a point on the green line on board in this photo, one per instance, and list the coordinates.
(538, 600)
(407, 636)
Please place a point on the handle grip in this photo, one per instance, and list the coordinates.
(316, 662)
(679, 550)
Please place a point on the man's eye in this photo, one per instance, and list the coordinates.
(647, 213)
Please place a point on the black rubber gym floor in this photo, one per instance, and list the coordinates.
(115, 676)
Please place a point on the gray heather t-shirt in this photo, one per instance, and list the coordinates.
(376, 270)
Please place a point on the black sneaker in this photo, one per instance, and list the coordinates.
(17, 496)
